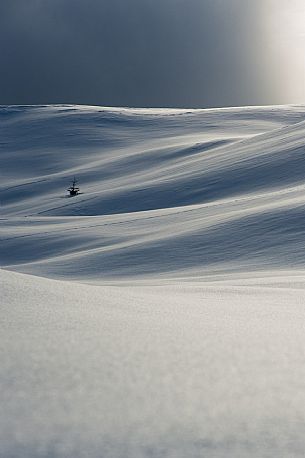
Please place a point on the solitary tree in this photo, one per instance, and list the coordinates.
(73, 190)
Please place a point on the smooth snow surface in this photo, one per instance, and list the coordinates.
(170, 322)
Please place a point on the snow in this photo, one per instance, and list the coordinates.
(160, 313)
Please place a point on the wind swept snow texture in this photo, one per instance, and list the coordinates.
(177, 192)
(170, 322)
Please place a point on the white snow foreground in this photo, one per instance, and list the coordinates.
(171, 319)
(186, 370)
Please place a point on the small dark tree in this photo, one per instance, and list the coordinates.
(73, 190)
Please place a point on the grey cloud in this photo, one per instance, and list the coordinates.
(191, 53)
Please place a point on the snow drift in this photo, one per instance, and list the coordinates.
(183, 192)
(170, 319)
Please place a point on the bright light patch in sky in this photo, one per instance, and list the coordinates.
(286, 25)
(153, 53)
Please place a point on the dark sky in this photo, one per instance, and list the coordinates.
(149, 53)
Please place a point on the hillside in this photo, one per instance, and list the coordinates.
(182, 192)
(160, 313)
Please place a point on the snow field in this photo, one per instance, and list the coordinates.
(159, 314)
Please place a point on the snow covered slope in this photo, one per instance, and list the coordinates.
(170, 322)
(153, 371)
(172, 191)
